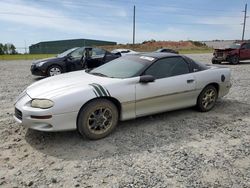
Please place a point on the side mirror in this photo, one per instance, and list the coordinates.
(118, 54)
(69, 57)
(146, 78)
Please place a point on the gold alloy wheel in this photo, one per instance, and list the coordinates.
(209, 99)
(100, 120)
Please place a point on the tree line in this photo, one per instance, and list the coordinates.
(7, 49)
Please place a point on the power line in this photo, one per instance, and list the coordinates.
(191, 14)
(150, 5)
(88, 16)
(150, 9)
(153, 5)
(139, 21)
(63, 17)
(186, 23)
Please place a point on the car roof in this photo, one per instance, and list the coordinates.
(158, 55)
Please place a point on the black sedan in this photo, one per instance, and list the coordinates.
(72, 60)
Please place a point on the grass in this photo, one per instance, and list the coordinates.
(25, 56)
(195, 51)
(41, 56)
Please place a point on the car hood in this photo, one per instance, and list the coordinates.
(56, 85)
(50, 59)
(224, 49)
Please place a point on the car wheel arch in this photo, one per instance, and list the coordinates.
(216, 85)
(115, 101)
(54, 64)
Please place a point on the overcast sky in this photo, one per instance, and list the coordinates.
(42, 20)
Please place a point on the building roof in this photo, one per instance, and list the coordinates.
(71, 40)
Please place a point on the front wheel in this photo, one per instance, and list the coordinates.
(215, 61)
(54, 70)
(207, 98)
(234, 59)
(97, 119)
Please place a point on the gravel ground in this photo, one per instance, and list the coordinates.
(184, 148)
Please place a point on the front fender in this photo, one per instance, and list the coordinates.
(72, 100)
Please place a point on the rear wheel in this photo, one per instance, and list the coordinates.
(97, 119)
(207, 98)
(54, 70)
(234, 59)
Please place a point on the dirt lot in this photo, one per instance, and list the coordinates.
(183, 148)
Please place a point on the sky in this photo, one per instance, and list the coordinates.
(26, 22)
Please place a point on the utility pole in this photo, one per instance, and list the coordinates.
(134, 27)
(244, 24)
(25, 48)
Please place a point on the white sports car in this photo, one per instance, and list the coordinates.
(124, 52)
(128, 87)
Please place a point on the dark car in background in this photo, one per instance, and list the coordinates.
(235, 53)
(72, 60)
(167, 50)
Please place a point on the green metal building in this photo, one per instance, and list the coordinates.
(55, 47)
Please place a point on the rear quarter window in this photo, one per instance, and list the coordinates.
(195, 66)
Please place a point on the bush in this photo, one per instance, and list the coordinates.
(198, 44)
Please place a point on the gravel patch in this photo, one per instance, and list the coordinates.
(183, 148)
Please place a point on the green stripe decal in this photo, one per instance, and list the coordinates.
(97, 90)
(100, 90)
(95, 93)
(107, 92)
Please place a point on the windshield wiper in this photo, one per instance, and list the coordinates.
(98, 74)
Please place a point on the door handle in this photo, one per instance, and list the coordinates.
(190, 81)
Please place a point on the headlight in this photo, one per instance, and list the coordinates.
(42, 103)
(40, 64)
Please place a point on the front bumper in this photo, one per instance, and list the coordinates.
(37, 71)
(58, 122)
(221, 57)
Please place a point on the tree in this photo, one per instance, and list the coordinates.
(5, 49)
(1, 49)
(12, 49)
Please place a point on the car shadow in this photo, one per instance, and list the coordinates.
(38, 78)
(140, 135)
(240, 63)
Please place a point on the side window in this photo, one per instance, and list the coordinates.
(248, 46)
(98, 52)
(167, 67)
(243, 46)
(77, 54)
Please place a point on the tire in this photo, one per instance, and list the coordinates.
(215, 61)
(92, 121)
(234, 59)
(207, 98)
(54, 70)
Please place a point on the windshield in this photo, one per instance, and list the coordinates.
(235, 46)
(66, 52)
(123, 67)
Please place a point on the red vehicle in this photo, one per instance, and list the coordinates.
(235, 53)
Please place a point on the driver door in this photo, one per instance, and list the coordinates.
(173, 88)
(96, 59)
(74, 60)
(245, 51)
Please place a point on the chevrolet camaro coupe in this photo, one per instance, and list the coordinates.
(93, 102)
